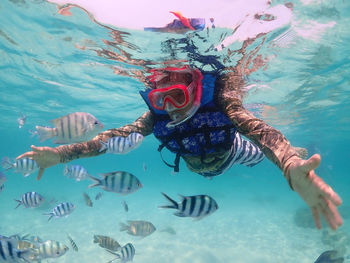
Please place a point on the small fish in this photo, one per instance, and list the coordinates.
(125, 205)
(62, 209)
(169, 230)
(144, 166)
(197, 206)
(127, 253)
(77, 172)
(138, 228)
(329, 256)
(48, 249)
(10, 253)
(98, 196)
(21, 120)
(184, 20)
(122, 145)
(107, 242)
(30, 199)
(87, 199)
(71, 128)
(118, 182)
(72, 243)
(26, 166)
(2, 181)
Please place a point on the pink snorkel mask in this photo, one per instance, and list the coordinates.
(178, 96)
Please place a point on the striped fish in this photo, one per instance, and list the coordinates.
(107, 242)
(196, 206)
(2, 181)
(127, 253)
(9, 252)
(72, 243)
(122, 145)
(125, 206)
(87, 200)
(63, 209)
(118, 182)
(138, 228)
(30, 199)
(77, 172)
(26, 166)
(74, 127)
(245, 152)
(98, 196)
(49, 249)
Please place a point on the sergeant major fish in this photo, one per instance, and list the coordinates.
(118, 182)
(197, 206)
(71, 128)
(138, 228)
(125, 206)
(2, 181)
(26, 166)
(62, 209)
(77, 172)
(122, 145)
(30, 199)
(107, 242)
(127, 253)
(72, 243)
(87, 200)
(48, 249)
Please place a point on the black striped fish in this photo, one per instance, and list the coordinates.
(127, 253)
(98, 196)
(125, 206)
(30, 199)
(118, 182)
(26, 166)
(77, 172)
(87, 200)
(2, 181)
(138, 228)
(196, 206)
(107, 242)
(9, 252)
(48, 249)
(72, 243)
(74, 127)
(63, 209)
(122, 145)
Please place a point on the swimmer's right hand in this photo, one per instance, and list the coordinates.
(44, 156)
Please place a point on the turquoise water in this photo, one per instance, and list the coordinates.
(52, 65)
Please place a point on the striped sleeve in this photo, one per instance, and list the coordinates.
(143, 125)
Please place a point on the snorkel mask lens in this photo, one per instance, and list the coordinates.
(176, 96)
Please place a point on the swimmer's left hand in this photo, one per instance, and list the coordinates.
(319, 196)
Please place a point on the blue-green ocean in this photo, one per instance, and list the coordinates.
(53, 64)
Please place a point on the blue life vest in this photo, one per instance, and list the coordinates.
(208, 130)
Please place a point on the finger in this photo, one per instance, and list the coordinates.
(326, 191)
(328, 216)
(40, 174)
(27, 154)
(316, 217)
(332, 213)
(312, 163)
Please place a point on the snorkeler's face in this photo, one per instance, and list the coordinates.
(174, 91)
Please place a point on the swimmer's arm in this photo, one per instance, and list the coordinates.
(143, 125)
